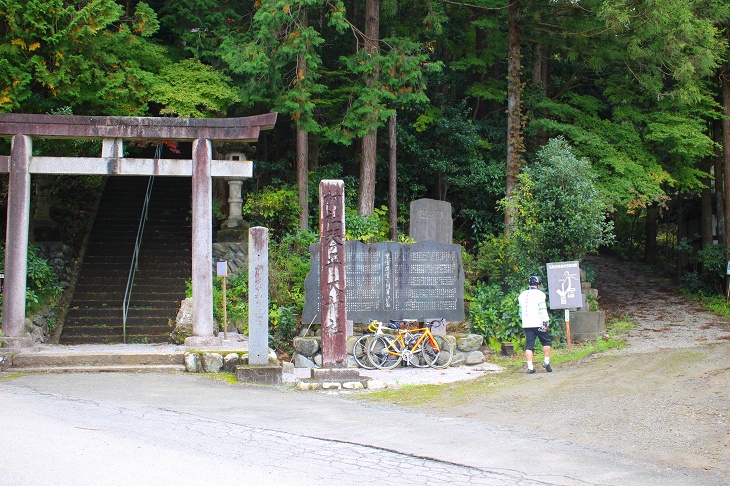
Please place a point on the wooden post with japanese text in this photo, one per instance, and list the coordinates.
(332, 273)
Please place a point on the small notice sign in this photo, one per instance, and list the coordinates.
(564, 283)
(222, 269)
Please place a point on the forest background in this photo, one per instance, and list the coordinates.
(544, 123)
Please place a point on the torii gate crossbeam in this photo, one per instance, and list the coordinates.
(114, 131)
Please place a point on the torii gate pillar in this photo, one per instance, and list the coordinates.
(16, 244)
(202, 237)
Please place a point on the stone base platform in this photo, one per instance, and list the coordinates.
(260, 375)
(338, 379)
(587, 325)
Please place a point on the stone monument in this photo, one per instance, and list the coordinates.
(385, 281)
(431, 221)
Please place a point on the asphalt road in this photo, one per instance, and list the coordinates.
(180, 429)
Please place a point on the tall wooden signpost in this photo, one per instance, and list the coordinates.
(332, 273)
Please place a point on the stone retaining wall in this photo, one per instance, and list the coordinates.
(220, 361)
(236, 254)
(468, 350)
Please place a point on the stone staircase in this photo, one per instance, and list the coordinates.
(95, 313)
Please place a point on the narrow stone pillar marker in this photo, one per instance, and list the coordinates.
(332, 273)
(258, 296)
(202, 247)
(16, 245)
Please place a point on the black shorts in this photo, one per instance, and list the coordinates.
(534, 332)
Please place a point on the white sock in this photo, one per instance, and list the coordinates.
(529, 365)
(547, 360)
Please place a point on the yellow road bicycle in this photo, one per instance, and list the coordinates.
(415, 346)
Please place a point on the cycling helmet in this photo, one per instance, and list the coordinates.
(535, 280)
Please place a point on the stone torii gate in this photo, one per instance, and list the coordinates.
(114, 131)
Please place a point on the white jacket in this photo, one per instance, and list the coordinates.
(533, 309)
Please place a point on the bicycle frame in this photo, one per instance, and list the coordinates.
(425, 333)
(418, 347)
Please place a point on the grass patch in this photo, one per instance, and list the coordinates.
(445, 395)
(11, 376)
(620, 326)
(717, 304)
(229, 378)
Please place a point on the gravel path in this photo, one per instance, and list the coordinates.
(663, 398)
(665, 319)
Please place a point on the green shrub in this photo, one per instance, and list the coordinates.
(696, 283)
(371, 228)
(495, 261)
(236, 302)
(283, 328)
(714, 260)
(42, 285)
(276, 208)
(496, 315)
(288, 267)
(559, 213)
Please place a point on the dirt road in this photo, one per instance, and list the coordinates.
(665, 397)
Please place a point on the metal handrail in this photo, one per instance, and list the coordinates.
(135, 254)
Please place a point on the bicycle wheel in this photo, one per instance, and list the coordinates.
(438, 358)
(360, 351)
(384, 352)
(416, 355)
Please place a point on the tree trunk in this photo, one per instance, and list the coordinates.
(681, 235)
(393, 180)
(539, 81)
(303, 176)
(314, 146)
(650, 234)
(303, 160)
(726, 144)
(514, 119)
(706, 215)
(719, 185)
(366, 197)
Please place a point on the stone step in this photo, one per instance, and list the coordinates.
(120, 285)
(122, 268)
(164, 264)
(100, 327)
(106, 314)
(101, 369)
(138, 300)
(94, 362)
(116, 338)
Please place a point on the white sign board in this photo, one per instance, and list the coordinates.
(564, 283)
(222, 269)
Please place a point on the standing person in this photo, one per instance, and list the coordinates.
(535, 322)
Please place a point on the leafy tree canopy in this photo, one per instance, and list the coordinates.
(559, 212)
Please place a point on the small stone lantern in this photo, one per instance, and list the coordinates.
(234, 229)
